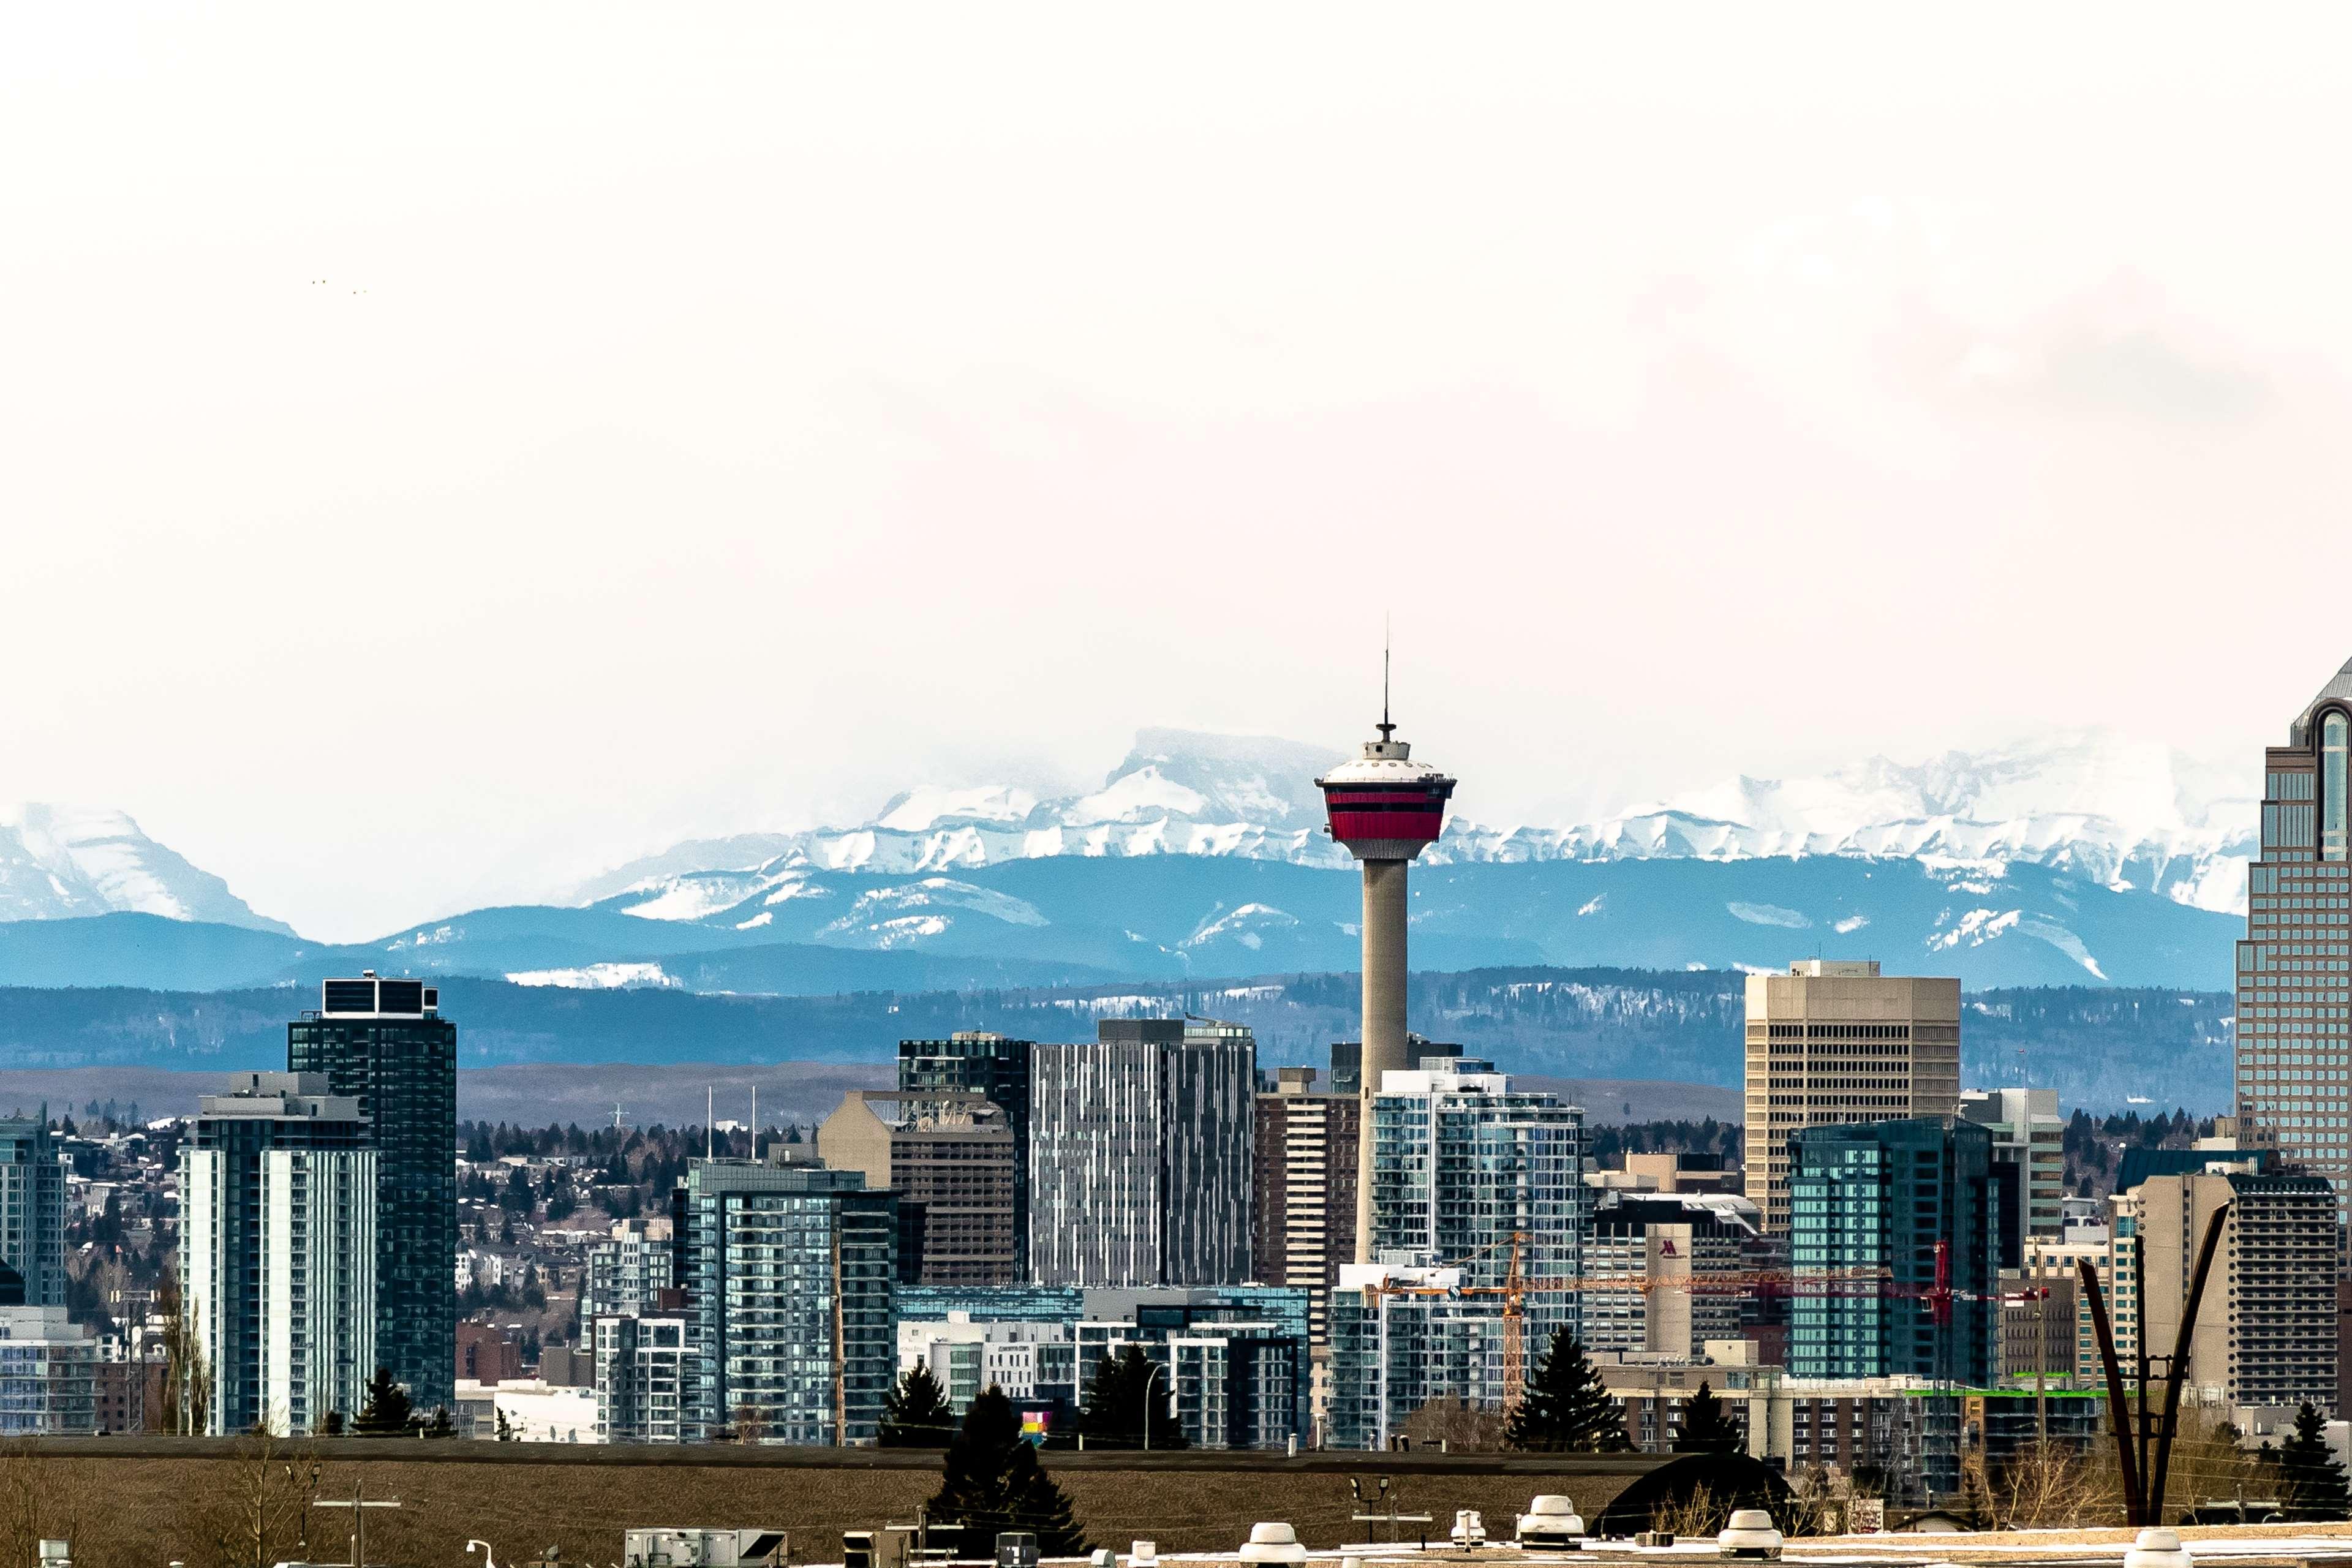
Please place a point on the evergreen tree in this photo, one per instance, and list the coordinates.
(915, 1413)
(1128, 1389)
(386, 1413)
(1706, 1427)
(993, 1482)
(1566, 1410)
(2311, 1477)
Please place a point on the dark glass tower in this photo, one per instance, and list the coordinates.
(2294, 968)
(996, 1067)
(1894, 1251)
(384, 1043)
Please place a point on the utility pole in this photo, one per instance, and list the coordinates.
(358, 1502)
(2041, 1349)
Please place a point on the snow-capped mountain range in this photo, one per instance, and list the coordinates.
(2082, 859)
(59, 861)
(2128, 815)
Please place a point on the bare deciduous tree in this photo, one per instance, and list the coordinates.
(1695, 1514)
(187, 1378)
(260, 1513)
(2048, 1485)
(34, 1502)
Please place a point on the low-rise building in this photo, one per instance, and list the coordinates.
(1033, 1362)
(1662, 1270)
(1911, 1437)
(525, 1410)
(1235, 1358)
(487, 1354)
(1405, 1335)
(643, 1370)
(1678, 1172)
(48, 1374)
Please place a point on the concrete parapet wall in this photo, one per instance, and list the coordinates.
(140, 1502)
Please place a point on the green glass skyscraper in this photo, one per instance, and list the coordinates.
(1894, 1251)
(384, 1043)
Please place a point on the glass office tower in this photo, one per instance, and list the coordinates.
(2295, 967)
(384, 1043)
(1894, 1251)
(1141, 1147)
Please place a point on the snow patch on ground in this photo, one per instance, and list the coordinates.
(1976, 928)
(1767, 915)
(1244, 924)
(598, 977)
(2065, 942)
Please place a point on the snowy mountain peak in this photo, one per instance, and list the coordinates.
(59, 861)
(2126, 814)
(929, 806)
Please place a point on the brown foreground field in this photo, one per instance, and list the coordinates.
(144, 1502)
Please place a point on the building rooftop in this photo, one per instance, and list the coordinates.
(2339, 690)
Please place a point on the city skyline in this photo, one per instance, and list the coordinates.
(644, 427)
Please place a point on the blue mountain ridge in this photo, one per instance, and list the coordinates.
(2097, 1046)
(1074, 920)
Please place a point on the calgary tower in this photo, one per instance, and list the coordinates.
(1386, 808)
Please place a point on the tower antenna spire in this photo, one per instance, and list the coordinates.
(1386, 729)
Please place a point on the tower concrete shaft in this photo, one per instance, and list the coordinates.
(1383, 1022)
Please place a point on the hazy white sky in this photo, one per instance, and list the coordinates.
(713, 420)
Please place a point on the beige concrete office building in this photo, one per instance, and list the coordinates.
(1834, 1042)
(949, 1157)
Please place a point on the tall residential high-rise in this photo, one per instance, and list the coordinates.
(1470, 1177)
(1303, 1213)
(995, 1067)
(1385, 809)
(2265, 1330)
(1893, 1255)
(949, 1159)
(1832, 1043)
(33, 1208)
(384, 1044)
(2294, 966)
(1140, 1155)
(628, 1271)
(2029, 1135)
(277, 1248)
(789, 1273)
(1470, 1173)
(50, 1369)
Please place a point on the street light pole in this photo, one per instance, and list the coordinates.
(1147, 1406)
(358, 1503)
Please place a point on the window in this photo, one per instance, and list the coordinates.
(2335, 750)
